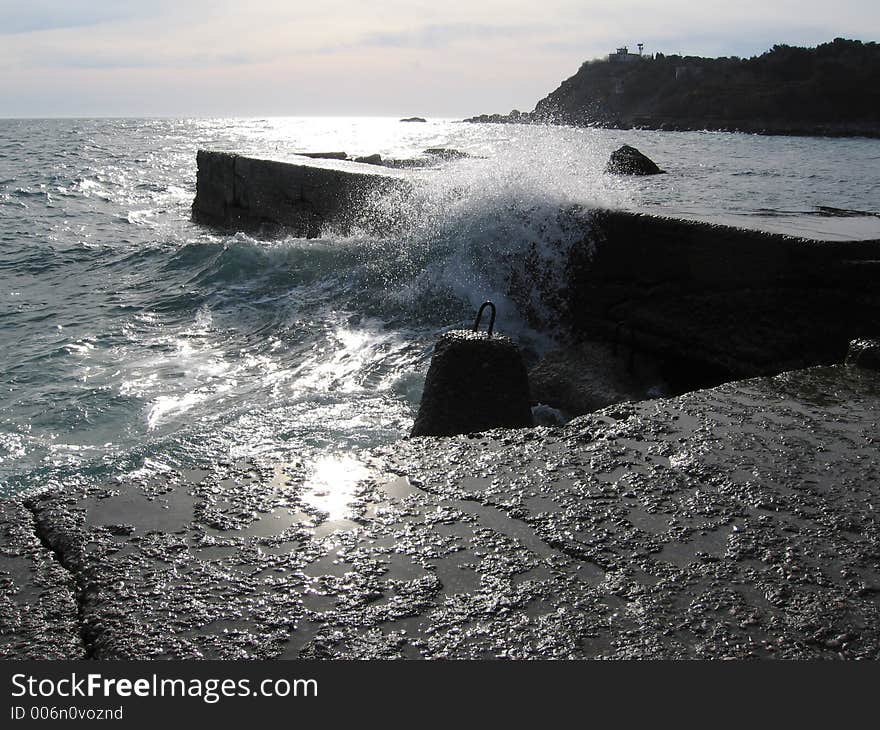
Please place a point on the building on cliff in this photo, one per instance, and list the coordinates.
(622, 55)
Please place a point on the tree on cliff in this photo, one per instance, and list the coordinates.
(833, 87)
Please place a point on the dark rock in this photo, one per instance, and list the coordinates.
(515, 117)
(413, 119)
(629, 161)
(370, 159)
(476, 382)
(487, 119)
(324, 155)
(864, 353)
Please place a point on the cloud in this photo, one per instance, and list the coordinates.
(42, 16)
(35, 16)
(115, 61)
(442, 36)
(197, 56)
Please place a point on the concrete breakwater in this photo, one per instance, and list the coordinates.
(708, 302)
(735, 522)
(731, 522)
(715, 302)
(301, 193)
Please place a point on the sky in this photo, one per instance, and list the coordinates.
(449, 58)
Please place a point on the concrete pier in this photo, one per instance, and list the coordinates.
(735, 522)
(724, 301)
(299, 193)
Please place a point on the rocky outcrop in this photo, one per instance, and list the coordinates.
(413, 119)
(375, 159)
(828, 90)
(514, 117)
(628, 160)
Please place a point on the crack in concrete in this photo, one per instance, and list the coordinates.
(79, 591)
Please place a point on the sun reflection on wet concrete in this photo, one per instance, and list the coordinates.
(331, 486)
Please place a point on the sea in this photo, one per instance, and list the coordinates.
(134, 341)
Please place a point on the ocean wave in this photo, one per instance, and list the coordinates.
(472, 233)
(180, 345)
(246, 266)
(28, 193)
(828, 211)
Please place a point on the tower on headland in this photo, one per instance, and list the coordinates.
(622, 55)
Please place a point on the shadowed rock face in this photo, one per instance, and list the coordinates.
(593, 375)
(629, 161)
(735, 522)
(475, 382)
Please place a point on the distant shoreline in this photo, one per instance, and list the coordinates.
(730, 128)
(832, 90)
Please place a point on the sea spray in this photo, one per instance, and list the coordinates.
(473, 230)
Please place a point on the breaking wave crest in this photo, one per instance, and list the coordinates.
(471, 232)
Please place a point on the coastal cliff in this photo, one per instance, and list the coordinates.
(830, 90)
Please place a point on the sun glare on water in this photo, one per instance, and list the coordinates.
(331, 485)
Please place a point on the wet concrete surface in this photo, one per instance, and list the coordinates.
(38, 612)
(735, 522)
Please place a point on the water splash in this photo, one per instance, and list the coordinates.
(498, 228)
